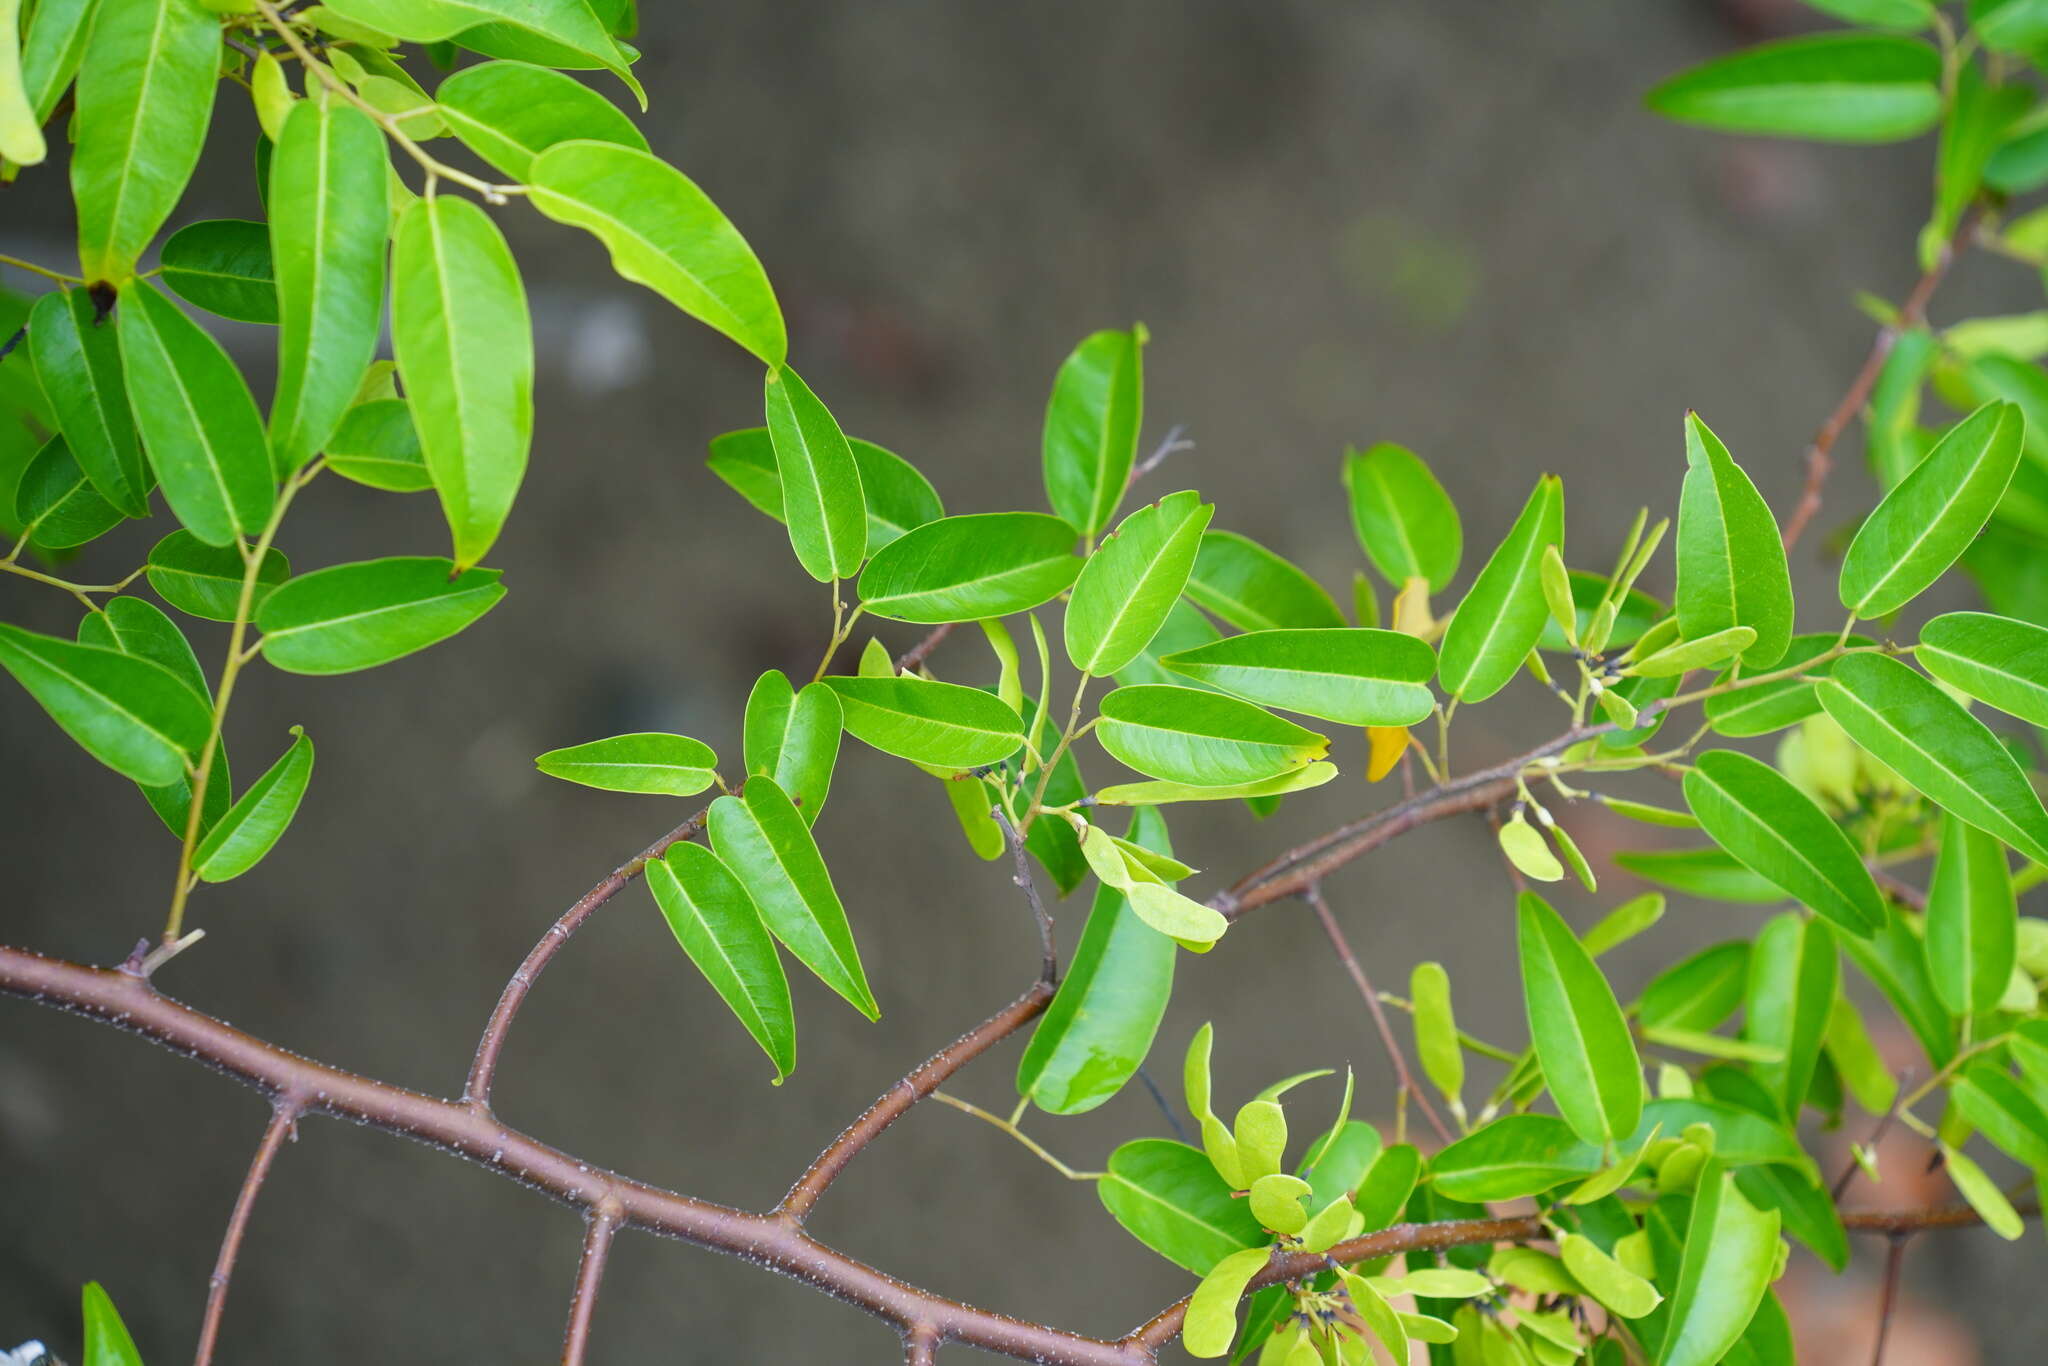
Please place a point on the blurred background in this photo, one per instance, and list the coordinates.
(1447, 224)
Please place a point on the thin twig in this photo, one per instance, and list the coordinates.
(1049, 961)
(1403, 1077)
(1888, 1301)
(1172, 444)
(1180, 1130)
(284, 1119)
(1884, 1124)
(1030, 1144)
(912, 658)
(597, 1246)
(920, 1345)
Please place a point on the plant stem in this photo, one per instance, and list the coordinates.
(1031, 1145)
(44, 271)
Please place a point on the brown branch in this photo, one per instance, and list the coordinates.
(597, 1246)
(1403, 1077)
(915, 656)
(483, 1071)
(1888, 1301)
(1049, 954)
(284, 1119)
(920, 1345)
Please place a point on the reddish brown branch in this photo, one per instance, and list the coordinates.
(1888, 1301)
(920, 1345)
(484, 1070)
(913, 658)
(284, 1119)
(1403, 1077)
(597, 1246)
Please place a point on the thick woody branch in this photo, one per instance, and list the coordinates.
(284, 1119)
(597, 1246)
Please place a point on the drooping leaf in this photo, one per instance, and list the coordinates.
(329, 218)
(1862, 1068)
(944, 725)
(1581, 1037)
(823, 504)
(1163, 793)
(793, 737)
(135, 626)
(1502, 614)
(2004, 1111)
(1254, 589)
(357, 616)
(1994, 659)
(1404, 519)
(646, 761)
(259, 817)
(1091, 427)
(1933, 743)
(464, 343)
(899, 498)
(1211, 1320)
(78, 363)
(1731, 562)
(1791, 994)
(205, 581)
(719, 927)
(133, 715)
(1972, 920)
(1169, 1197)
(197, 420)
(1983, 1194)
(1775, 830)
(966, 568)
(760, 836)
(55, 504)
(1132, 580)
(665, 233)
(1833, 87)
(1730, 1251)
(1894, 959)
(224, 266)
(1351, 675)
(1204, 739)
(145, 97)
(1514, 1156)
(508, 113)
(379, 445)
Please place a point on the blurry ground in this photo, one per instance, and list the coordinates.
(1448, 224)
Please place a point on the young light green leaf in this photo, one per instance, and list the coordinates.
(1605, 1279)
(145, 97)
(78, 363)
(1972, 920)
(898, 497)
(965, 568)
(944, 725)
(1790, 997)
(1983, 1194)
(719, 927)
(1581, 1037)
(1685, 655)
(1833, 87)
(1162, 794)
(56, 505)
(565, 33)
(1436, 1029)
(464, 343)
(1624, 923)
(1731, 1249)
(206, 581)
(357, 616)
(1091, 427)
(1131, 581)
(1204, 739)
(1404, 519)
(1994, 659)
(1255, 590)
(223, 265)
(2006, 1112)
(50, 51)
(793, 737)
(647, 761)
(1528, 851)
(1502, 614)
(133, 715)
(1910, 15)
(508, 113)
(1169, 1197)
(1633, 614)
(1275, 1199)
(1933, 514)
(196, 418)
(329, 218)
(1351, 675)
(822, 499)
(1776, 831)
(1731, 562)
(1514, 1156)
(1211, 1320)
(760, 836)
(665, 233)
(107, 1342)
(259, 817)
(1927, 737)
(378, 445)
(2009, 25)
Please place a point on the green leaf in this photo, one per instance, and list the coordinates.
(1605, 1279)
(1698, 992)
(1624, 923)
(898, 497)
(135, 716)
(196, 418)
(1581, 1037)
(223, 265)
(1731, 1248)
(1351, 675)
(1161, 794)
(137, 627)
(944, 725)
(1404, 519)
(1742, 1138)
(259, 817)
(1933, 743)
(1862, 1068)
(1708, 873)
(78, 363)
(1211, 1320)
(1635, 614)
(1806, 1210)
(464, 343)
(1983, 1194)
(145, 96)
(1131, 581)
(1979, 116)
(1773, 706)
(1894, 959)
(1502, 614)
(1204, 739)
(1834, 87)
(508, 113)
(823, 502)
(205, 581)
(665, 233)
(329, 218)
(718, 925)
(1098, 1029)
(565, 32)
(1514, 1156)
(106, 1338)
(1685, 655)
(793, 737)
(2004, 1111)
(647, 761)
(1731, 562)
(760, 836)
(2009, 25)
(1933, 514)
(1793, 972)
(1390, 1181)
(1903, 14)
(967, 568)
(1994, 659)
(1253, 589)
(56, 505)
(1776, 831)
(1436, 1029)
(1972, 920)
(378, 445)
(1091, 427)
(1168, 1197)
(51, 49)
(357, 616)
